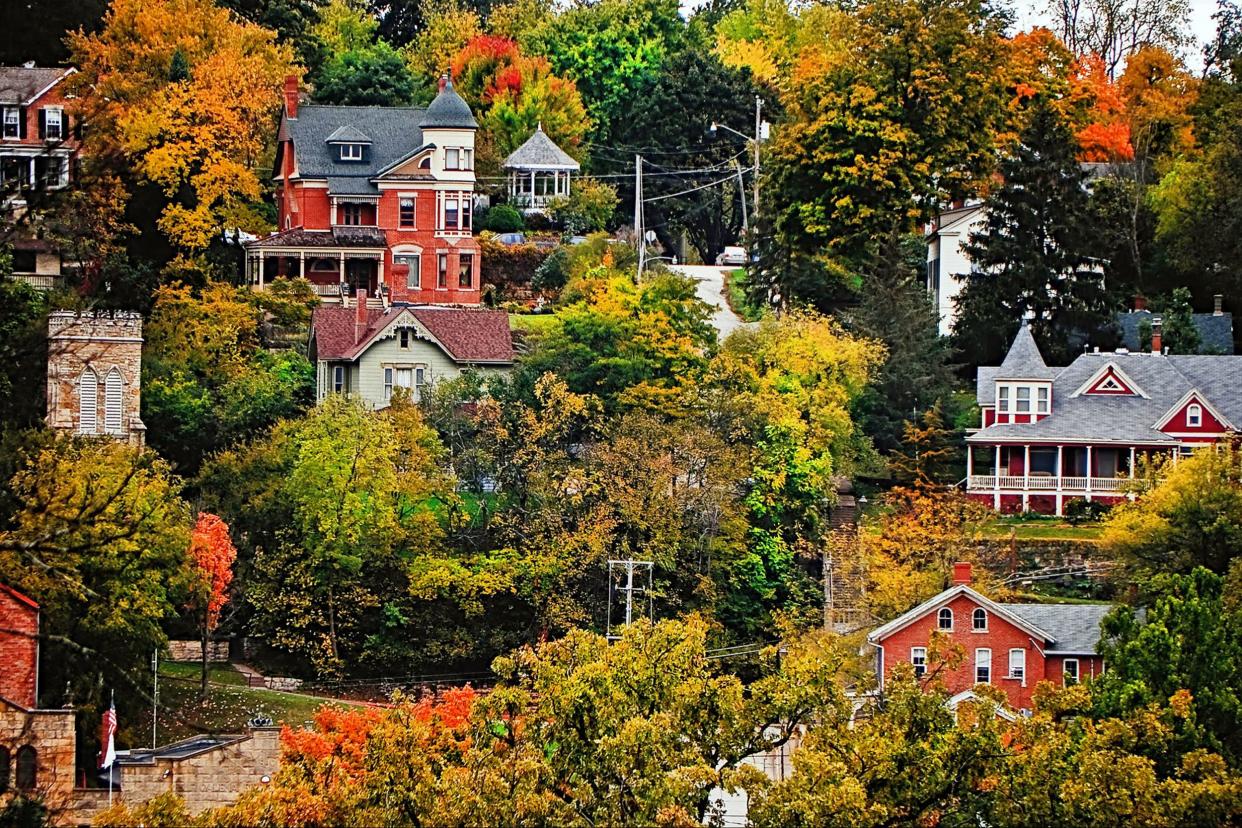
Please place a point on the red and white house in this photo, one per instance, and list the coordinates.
(1051, 435)
(1009, 646)
(376, 199)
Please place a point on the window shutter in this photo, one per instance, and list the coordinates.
(88, 402)
(21, 122)
(113, 402)
(42, 123)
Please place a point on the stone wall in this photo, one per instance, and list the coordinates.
(100, 342)
(190, 650)
(51, 734)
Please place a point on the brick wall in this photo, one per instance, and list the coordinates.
(19, 649)
(102, 342)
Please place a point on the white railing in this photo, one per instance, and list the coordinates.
(37, 281)
(1041, 483)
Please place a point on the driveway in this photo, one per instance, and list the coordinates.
(711, 289)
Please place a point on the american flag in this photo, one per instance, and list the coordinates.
(107, 729)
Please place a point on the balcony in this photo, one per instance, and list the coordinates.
(1047, 483)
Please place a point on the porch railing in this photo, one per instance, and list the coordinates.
(1041, 483)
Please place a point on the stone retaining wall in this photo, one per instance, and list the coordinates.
(190, 650)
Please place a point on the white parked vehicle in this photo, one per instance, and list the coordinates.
(731, 256)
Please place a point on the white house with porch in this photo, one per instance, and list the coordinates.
(538, 172)
(1051, 435)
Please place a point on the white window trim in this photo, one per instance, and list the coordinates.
(413, 199)
(981, 662)
(340, 378)
(1039, 400)
(973, 613)
(1022, 653)
(1065, 672)
(1194, 416)
(351, 152)
(47, 123)
(920, 670)
(16, 112)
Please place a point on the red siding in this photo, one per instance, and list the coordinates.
(19, 649)
(1097, 388)
(1209, 425)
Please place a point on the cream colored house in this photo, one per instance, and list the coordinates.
(368, 352)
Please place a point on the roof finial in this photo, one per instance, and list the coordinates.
(539, 126)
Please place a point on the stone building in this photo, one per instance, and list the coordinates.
(94, 374)
(36, 746)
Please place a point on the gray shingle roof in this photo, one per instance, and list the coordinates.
(1116, 418)
(1215, 332)
(1024, 360)
(540, 152)
(392, 130)
(1076, 627)
(19, 84)
(448, 111)
(348, 134)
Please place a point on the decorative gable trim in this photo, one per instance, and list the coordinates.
(395, 167)
(943, 599)
(1195, 396)
(404, 319)
(1110, 381)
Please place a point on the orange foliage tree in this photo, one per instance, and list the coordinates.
(211, 558)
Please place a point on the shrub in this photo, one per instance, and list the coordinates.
(553, 273)
(504, 218)
(588, 209)
(1079, 510)
(509, 264)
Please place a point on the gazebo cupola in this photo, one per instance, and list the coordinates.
(539, 171)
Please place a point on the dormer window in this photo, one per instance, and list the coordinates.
(351, 152)
(1023, 400)
(1002, 399)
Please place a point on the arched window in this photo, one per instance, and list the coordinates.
(945, 618)
(979, 619)
(1194, 415)
(114, 402)
(27, 766)
(88, 402)
(4, 769)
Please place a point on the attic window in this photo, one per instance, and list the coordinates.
(1194, 416)
(351, 152)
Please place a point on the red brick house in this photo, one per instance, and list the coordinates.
(19, 647)
(376, 199)
(1050, 435)
(1010, 646)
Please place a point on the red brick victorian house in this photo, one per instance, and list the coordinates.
(376, 199)
(1051, 435)
(1010, 646)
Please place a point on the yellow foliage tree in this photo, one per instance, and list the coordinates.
(183, 94)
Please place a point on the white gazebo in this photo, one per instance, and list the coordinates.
(538, 171)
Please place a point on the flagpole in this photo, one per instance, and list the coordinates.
(113, 761)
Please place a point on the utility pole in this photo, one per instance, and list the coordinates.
(758, 136)
(627, 568)
(741, 193)
(638, 216)
(155, 694)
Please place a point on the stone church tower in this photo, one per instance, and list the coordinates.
(94, 374)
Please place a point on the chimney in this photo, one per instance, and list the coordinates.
(360, 317)
(961, 573)
(291, 95)
(1140, 302)
(1155, 336)
(1218, 305)
(444, 79)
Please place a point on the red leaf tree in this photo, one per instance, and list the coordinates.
(211, 558)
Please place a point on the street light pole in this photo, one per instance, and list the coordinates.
(758, 130)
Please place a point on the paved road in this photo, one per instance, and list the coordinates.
(712, 291)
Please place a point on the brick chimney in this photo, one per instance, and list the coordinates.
(1140, 302)
(1156, 342)
(360, 316)
(1218, 305)
(961, 573)
(291, 95)
(444, 78)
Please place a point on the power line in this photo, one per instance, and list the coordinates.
(696, 189)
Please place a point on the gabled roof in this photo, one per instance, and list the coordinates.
(944, 598)
(22, 84)
(1197, 396)
(393, 132)
(347, 134)
(448, 111)
(1119, 375)
(467, 335)
(968, 696)
(540, 152)
(19, 597)
(1024, 361)
(1075, 627)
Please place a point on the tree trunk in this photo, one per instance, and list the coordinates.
(202, 693)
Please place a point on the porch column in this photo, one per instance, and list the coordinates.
(970, 464)
(341, 272)
(1060, 466)
(996, 501)
(1089, 473)
(262, 267)
(1026, 467)
(1131, 462)
(379, 275)
(301, 264)
(532, 188)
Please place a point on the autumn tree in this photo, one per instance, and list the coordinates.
(1114, 31)
(180, 96)
(99, 539)
(1190, 514)
(211, 560)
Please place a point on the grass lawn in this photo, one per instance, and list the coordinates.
(735, 287)
(228, 706)
(531, 321)
(1042, 530)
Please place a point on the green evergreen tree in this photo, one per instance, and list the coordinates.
(374, 76)
(1036, 253)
